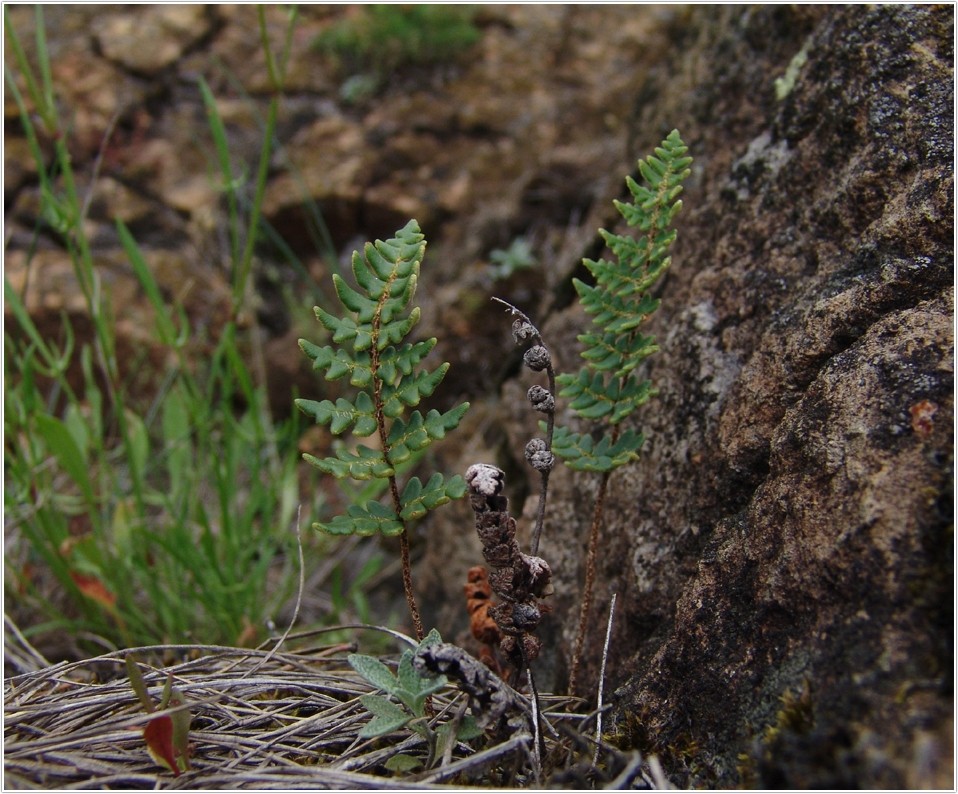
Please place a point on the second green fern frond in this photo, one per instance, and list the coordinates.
(619, 302)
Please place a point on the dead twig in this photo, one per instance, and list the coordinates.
(605, 659)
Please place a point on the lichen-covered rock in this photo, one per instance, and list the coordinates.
(787, 538)
(783, 552)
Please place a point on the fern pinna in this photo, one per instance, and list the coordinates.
(607, 388)
(388, 378)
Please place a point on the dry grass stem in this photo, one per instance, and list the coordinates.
(260, 720)
(598, 699)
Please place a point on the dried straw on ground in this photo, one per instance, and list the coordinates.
(260, 720)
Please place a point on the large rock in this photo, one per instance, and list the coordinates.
(146, 41)
(782, 554)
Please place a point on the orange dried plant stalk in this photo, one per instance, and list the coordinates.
(478, 601)
(478, 593)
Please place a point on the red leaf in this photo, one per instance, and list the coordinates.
(158, 735)
(93, 588)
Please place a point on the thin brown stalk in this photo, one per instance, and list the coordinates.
(544, 475)
(393, 486)
(407, 585)
(589, 583)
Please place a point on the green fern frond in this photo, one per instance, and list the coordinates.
(615, 353)
(369, 519)
(607, 387)
(418, 499)
(581, 452)
(410, 391)
(365, 464)
(343, 414)
(368, 348)
(619, 302)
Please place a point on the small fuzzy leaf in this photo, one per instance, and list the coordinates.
(374, 671)
(427, 687)
(402, 762)
(406, 674)
(468, 729)
(432, 638)
(387, 716)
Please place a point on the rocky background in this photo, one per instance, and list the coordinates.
(783, 554)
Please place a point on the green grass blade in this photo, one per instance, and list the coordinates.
(218, 131)
(165, 328)
(61, 444)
